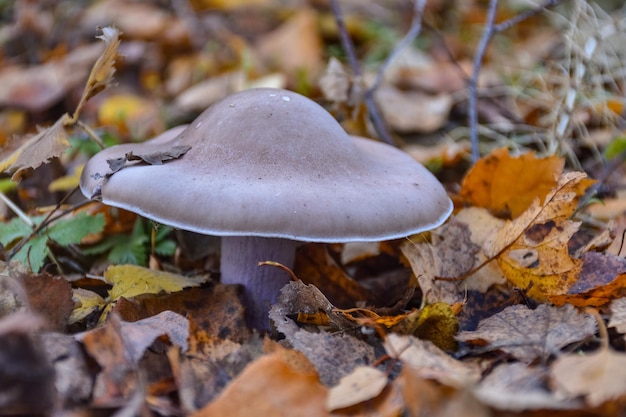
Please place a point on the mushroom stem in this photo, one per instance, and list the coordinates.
(261, 284)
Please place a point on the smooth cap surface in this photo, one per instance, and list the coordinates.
(268, 162)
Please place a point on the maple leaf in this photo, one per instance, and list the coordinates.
(531, 250)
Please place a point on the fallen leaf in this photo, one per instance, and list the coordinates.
(364, 383)
(335, 354)
(532, 334)
(295, 47)
(85, 303)
(519, 387)
(271, 386)
(38, 149)
(413, 111)
(26, 376)
(602, 278)
(532, 250)
(598, 376)
(430, 362)
(618, 315)
(131, 280)
(507, 185)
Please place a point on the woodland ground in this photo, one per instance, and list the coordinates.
(514, 307)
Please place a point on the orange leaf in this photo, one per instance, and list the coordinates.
(271, 386)
(507, 185)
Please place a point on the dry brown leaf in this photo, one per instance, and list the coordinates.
(430, 362)
(532, 251)
(481, 225)
(363, 384)
(271, 386)
(530, 334)
(508, 185)
(450, 254)
(101, 75)
(519, 387)
(334, 354)
(618, 315)
(295, 48)
(38, 149)
(598, 376)
(413, 111)
(315, 266)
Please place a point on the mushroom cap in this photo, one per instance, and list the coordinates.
(272, 163)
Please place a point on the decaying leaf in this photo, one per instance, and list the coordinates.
(507, 185)
(530, 334)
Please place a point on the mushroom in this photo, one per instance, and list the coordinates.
(269, 168)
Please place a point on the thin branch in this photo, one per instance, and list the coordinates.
(491, 29)
(348, 47)
(473, 81)
(414, 31)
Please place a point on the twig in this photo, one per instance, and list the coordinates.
(414, 31)
(368, 97)
(491, 29)
(473, 81)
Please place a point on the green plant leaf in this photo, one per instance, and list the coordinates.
(73, 230)
(33, 253)
(16, 228)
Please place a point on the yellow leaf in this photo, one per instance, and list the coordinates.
(66, 183)
(532, 249)
(131, 280)
(86, 302)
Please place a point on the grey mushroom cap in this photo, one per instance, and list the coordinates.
(273, 163)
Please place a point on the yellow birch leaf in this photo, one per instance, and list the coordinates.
(131, 280)
(532, 249)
